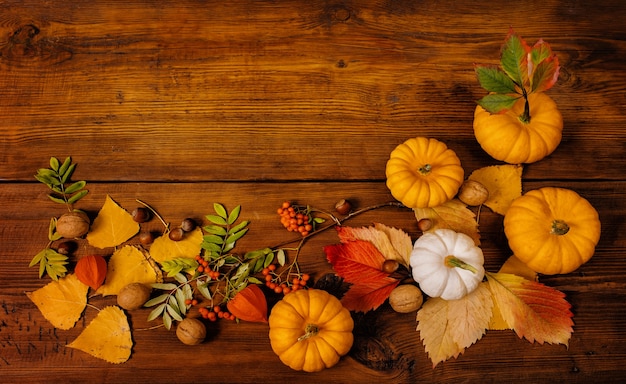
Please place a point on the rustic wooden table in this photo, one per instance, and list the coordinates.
(256, 102)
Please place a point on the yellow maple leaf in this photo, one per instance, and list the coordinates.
(504, 183)
(61, 302)
(448, 327)
(128, 265)
(534, 311)
(107, 337)
(163, 248)
(451, 215)
(113, 226)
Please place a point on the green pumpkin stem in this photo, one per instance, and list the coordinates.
(525, 117)
(310, 331)
(559, 227)
(425, 169)
(454, 262)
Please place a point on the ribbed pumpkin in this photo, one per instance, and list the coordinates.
(447, 264)
(310, 330)
(423, 172)
(552, 230)
(510, 138)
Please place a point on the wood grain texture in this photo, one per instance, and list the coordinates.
(256, 102)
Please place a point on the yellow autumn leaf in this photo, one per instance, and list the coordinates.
(128, 265)
(448, 327)
(107, 337)
(534, 311)
(61, 302)
(392, 243)
(504, 183)
(113, 226)
(163, 248)
(451, 215)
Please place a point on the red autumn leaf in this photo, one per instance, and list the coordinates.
(91, 270)
(249, 304)
(359, 262)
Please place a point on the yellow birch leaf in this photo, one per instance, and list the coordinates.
(163, 248)
(515, 266)
(129, 265)
(107, 337)
(534, 311)
(113, 226)
(61, 302)
(504, 183)
(448, 327)
(451, 215)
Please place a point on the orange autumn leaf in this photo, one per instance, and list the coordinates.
(393, 243)
(452, 215)
(249, 304)
(107, 337)
(448, 327)
(128, 265)
(113, 226)
(61, 302)
(504, 183)
(163, 248)
(359, 263)
(534, 311)
(91, 270)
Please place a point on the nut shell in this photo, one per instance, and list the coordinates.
(406, 298)
(73, 224)
(473, 193)
(133, 296)
(191, 331)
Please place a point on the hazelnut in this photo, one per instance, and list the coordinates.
(73, 224)
(188, 225)
(473, 193)
(66, 247)
(133, 296)
(406, 298)
(343, 207)
(191, 331)
(424, 224)
(176, 234)
(390, 266)
(141, 215)
(146, 238)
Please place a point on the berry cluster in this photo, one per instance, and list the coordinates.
(296, 219)
(293, 282)
(215, 313)
(205, 268)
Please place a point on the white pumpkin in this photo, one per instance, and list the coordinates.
(447, 264)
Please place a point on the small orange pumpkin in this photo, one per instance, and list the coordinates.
(423, 172)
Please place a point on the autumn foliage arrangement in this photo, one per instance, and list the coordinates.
(189, 275)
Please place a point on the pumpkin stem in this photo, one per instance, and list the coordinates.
(425, 169)
(454, 262)
(310, 331)
(525, 117)
(559, 227)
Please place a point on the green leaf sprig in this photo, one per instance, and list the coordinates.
(523, 70)
(50, 261)
(58, 179)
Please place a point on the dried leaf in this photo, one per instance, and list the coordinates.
(91, 270)
(61, 302)
(534, 311)
(447, 327)
(107, 337)
(359, 262)
(504, 183)
(129, 265)
(113, 226)
(452, 215)
(164, 248)
(393, 243)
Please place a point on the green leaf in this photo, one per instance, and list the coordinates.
(174, 313)
(167, 320)
(156, 300)
(545, 74)
(254, 280)
(514, 59)
(203, 288)
(75, 187)
(65, 166)
(212, 247)
(238, 227)
(180, 278)
(220, 210)
(268, 259)
(56, 199)
(494, 80)
(38, 257)
(213, 239)
(280, 257)
(215, 230)
(234, 215)
(236, 236)
(216, 219)
(496, 103)
(164, 286)
(54, 164)
(156, 312)
(68, 173)
(180, 298)
(258, 265)
(79, 195)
